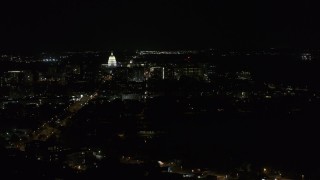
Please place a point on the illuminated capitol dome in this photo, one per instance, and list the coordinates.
(112, 61)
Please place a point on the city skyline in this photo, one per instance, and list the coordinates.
(239, 113)
(161, 89)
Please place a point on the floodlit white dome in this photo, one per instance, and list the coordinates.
(112, 62)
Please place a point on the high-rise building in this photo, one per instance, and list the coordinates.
(157, 73)
(189, 71)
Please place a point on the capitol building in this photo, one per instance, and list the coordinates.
(112, 62)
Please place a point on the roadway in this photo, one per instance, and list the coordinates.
(51, 127)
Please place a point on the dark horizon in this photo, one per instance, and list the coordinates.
(35, 26)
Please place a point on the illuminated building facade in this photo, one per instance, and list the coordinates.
(112, 62)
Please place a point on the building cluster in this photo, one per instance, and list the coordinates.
(102, 113)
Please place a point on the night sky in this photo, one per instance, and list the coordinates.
(51, 25)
